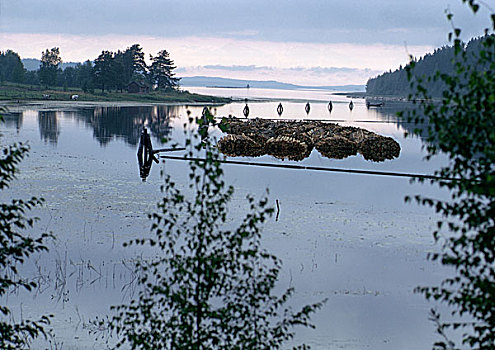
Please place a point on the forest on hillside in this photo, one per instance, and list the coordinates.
(396, 83)
(109, 71)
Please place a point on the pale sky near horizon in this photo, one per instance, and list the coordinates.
(311, 42)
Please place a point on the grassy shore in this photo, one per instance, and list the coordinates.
(22, 92)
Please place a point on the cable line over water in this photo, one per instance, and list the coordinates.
(315, 168)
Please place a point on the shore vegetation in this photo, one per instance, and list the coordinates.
(23, 92)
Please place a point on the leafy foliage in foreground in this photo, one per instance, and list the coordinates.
(463, 127)
(209, 287)
(15, 248)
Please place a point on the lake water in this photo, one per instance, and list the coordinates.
(346, 237)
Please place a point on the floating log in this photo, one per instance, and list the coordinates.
(337, 147)
(379, 148)
(287, 147)
(240, 145)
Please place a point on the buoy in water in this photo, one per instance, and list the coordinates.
(307, 108)
(245, 111)
(280, 109)
(351, 105)
(330, 106)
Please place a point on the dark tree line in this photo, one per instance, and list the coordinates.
(11, 67)
(441, 61)
(109, 71)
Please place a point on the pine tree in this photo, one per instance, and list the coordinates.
(50, 66)
(161, 71)
(11, 67)
(135, 66)
(104, 70)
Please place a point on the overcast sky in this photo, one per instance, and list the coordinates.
(317, 42)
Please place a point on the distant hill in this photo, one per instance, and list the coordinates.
(202, 81)
(441, 60)
(34, 64)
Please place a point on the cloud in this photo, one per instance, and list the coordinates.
(242, 33)
(294, 41)
(296, 75)
(249, 68)
(334, 70)
(419, 22)
(315, 61)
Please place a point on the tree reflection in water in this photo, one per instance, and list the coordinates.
(389, 112)
(13, 120)
(126, 122)
(48, 126)
(108, 123)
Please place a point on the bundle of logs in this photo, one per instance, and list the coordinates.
(294, 140)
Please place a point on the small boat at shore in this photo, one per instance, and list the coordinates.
(374, 104)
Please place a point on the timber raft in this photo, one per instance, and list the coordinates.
(295, 140)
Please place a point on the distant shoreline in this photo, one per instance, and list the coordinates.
(357, 94)
(27, 93)
(225, 87)
(382, 98)
(228, 83)
(13, 106)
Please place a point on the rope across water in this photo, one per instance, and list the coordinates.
(315, 168)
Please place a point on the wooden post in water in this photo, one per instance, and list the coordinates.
(245, 111)
(145, 154)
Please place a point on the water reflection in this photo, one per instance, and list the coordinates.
(13, 120)
(48, 126)
(126, 122)
(388, 111)
(107, 123)
(99, 203)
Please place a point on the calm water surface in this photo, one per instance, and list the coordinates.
(349, 238)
